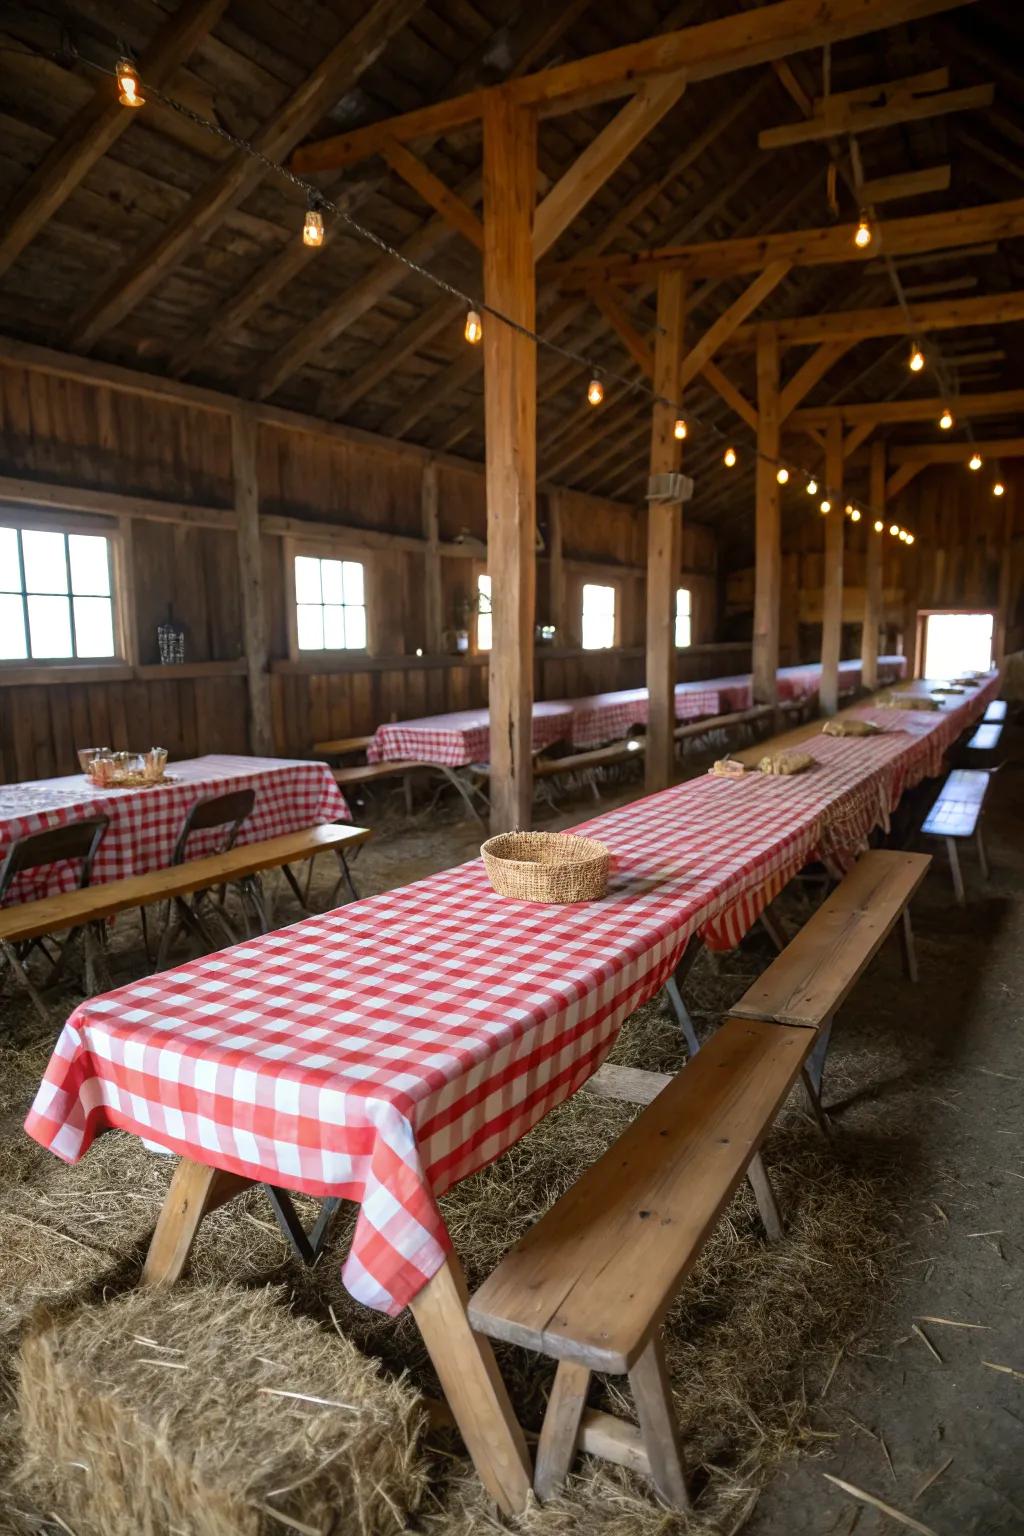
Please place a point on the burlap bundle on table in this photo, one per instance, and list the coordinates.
(952, 689)
(909, 701)
(727, 768)
(850, 728)
(214, 1411)
(546, 866)
(785, 763)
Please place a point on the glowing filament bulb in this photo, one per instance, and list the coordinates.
(313, 228)
(894, 530)
(878, 525)
(679, 430)
(946, 419)
(863, 234)
(474, 328)
(902, 536)
(999, 489)
(729, 458)
(826, 507)
(783, 474)
(812, 487)
(855, 514)
(595, 391)
(910, 538)
(129, 92)
(916, 360)
(974, 462)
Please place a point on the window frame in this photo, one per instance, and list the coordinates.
(13, 515)
(615, 587)
(326, 549)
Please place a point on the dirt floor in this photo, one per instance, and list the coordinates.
(832, 1355)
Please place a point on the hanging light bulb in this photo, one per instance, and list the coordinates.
(999, 489)
(782, 474)
(129, 92)
(863, 234)
(946, 419)
(812, 487)
(910, 538)
(848, 509)
(902, 536)
(879, 526)
(313, 226)
(474, 328)
(916, 362)
(595, 391)
(679, 430)
(855, 514)
(974, 462)
(894, 530)
(729, 458)
(826, 507)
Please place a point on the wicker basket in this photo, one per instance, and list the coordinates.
(546, 866)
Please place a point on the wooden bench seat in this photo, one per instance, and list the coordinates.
(690, 728)
(956, 816)
(52, 914)
(344, 746)
(586, 762)
(996, 711)
(590, 1283)
(986, 737)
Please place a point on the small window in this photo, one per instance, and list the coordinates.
(483, 613)
(330, 605)
(56, 596)
(684, 632)
(954, 641)
(598, 625)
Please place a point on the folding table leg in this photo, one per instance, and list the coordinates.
(774, 929)
(982, 855)
(196, 1190)
(474, 1390)
(306, 1246)
(907, 945)
(681, 1012)
(560, 1430)
(954, 866)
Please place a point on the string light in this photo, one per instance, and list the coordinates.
(916, 362)
(879, 526)
(974, 462)
(902, 535)
(474, 328)
(999, 489)
(855, 514)
(812, 487)
(782, 474)
(679, 430)
(729, 458)
(946, 419)
(863, 234)
(826, 507)
(595, 391)
(313, 227)
(129, 91)
(894, 530)
(910, 538)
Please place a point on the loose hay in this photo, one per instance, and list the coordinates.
(217, 1412)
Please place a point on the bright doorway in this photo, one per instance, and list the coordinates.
(956, 643)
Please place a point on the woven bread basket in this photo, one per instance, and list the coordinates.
(546, 866)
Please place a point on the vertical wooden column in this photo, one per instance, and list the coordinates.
(433, 599)
(873, 571)
(556, 569)
(768, 531)
(510, 416)
(250, 570)
(832, 574)
(1005, 593)
(664, 537)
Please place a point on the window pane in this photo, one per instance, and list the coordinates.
(598, 631)
(483, 631)
(598, 599)
(353, 578)
(49, 624)
(483, 587)
(683, 600)
(10, 569)
(90, 564)
(94, 626)
(330, 578)
(355, 629)
(310, 624)
(45, 566)
(334, 627)
(12, 628)
(307, 579)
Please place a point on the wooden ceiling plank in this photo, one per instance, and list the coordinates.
(888, 189)
(811, 371)
(339, 397)
(432, 189)
(95, 128)
(333, 76)
(855, 120)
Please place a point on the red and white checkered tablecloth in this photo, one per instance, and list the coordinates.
(387, 1050)
(144, 823)
(796, 684)
(608, 716)
(453, 741)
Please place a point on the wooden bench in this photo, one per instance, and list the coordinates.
(586, 762)
(688, 729)
(344, 746)
(590, 1284)
(956, 816)
(986, 737)
(374, 773)
(996, 711)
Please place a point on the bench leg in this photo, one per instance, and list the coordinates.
(473, 1388)
(954, 867)
(681, 1012)
(196, 1189)
(560, 1431)
(907, 946)
(652, 1396)
(767, 1205)
(774, 929)
(982, 855)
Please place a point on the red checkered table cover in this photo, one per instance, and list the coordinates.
(796, 684)
(608, 716)
(385, 1051)
(463, 737)
(144, 823)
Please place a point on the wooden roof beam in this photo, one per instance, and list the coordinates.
(901, 478)
(96, 127)
(706, 51)
(841, 119)
(853, 325)
(811, 372)
(994, 403)
(956, 453)
(455, 212)
(889, 189)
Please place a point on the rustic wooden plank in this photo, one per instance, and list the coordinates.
(873, 605)
(196, 1189)
(250, 567)
(832, 576)
(664, 536)
(768, 524)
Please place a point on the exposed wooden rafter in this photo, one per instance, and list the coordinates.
(842, 116)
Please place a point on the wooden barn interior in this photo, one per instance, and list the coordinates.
(598, 435)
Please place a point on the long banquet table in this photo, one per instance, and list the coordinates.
(144, 823)
(455, 740)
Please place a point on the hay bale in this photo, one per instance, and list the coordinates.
(218, 1412)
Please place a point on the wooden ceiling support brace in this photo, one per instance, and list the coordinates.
(901, 478)
(832, 575)
(810, 372)
(244, 458)
(873, 570)
(453, 209)
(855, 437)
(768, 526)
(727, 391)
(664, 537)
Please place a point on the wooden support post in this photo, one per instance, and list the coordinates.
(873, 571)
(768, 535)
(664, 537)
(244, 444)
(510, 413)
(1003, 601)
(832, 575)
(556, 570)
(433, 591)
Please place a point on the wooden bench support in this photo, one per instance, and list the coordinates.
(659, 1428)
(560, 1430)
(955, 817)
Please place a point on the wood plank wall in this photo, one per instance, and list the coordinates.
(88, 437)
